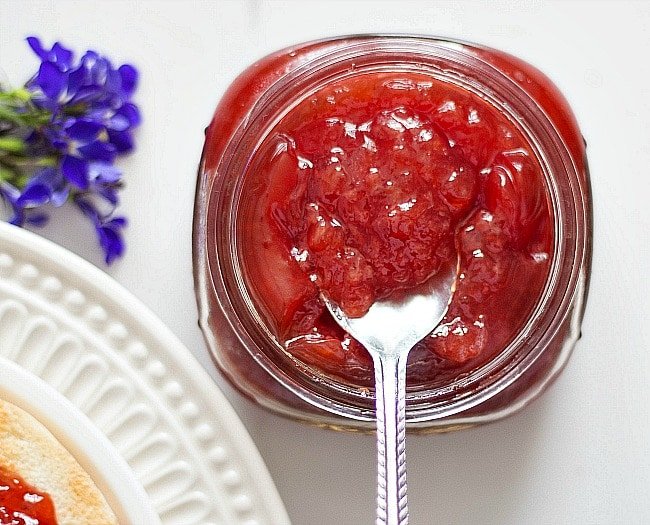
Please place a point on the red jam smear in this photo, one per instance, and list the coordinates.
(22, 504)
(369, 186)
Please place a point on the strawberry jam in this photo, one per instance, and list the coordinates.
(22, 504)
(360, 167)
(370, 185)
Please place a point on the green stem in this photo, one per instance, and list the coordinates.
(12, 145)
(10, 116)
(16, 107)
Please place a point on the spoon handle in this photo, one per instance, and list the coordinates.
(390, 387)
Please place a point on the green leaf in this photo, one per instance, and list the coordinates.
(9, 115)
(21, 181)
(16, 96)
(12, 144)
(49, 161)
(21, 94)
(6, 174)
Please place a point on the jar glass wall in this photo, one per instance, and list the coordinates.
(233, 318)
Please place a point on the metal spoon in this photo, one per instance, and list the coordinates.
(388, 331)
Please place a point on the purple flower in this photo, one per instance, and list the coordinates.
(46, 186)
(93, 80)
(92, 116)
(89, 122)
(22, 208)
(58, 54)
(108, 229)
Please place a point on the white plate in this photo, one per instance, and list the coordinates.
(82, 439)
(72, 325)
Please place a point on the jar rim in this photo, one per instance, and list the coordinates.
(531, 339)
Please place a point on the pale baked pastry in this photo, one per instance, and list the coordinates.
(29, 450)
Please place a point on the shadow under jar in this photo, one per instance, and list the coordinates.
(358, 166)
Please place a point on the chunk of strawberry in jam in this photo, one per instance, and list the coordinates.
(382, 203)
(473, 129)
(510, 197)
(339, 356)
(457, 340)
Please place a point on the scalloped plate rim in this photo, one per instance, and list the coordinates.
(77, 433)
(40, 249)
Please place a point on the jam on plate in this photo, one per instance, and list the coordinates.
(22, 504)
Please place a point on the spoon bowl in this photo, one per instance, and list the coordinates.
(402, 320)
(388, 331)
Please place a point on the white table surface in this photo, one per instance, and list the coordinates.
(578, 455)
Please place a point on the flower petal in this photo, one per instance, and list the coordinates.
(60, 197)
(34, 195)
(122, 140)
(48, 176)
(110, 239)
(84, 130)
(56, 182)
(119, 221)
(99, 69)
(104, 173)
(86, 93)
(51, 80)
(87, 209)
(62, 55)
(18, 218)
(131, 112)
(9, 192)
(75, 170)
(129, 76)
(55, 137)
(110, 194)
(98, 150)
(89, 59)
(118, 123)
(77, 78)
(113, 82)
(35, 43)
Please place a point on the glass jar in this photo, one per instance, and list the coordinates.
(244, 348)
